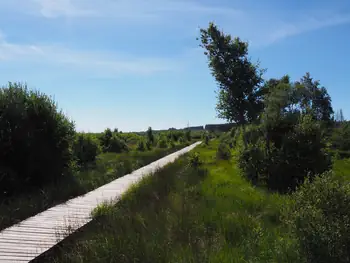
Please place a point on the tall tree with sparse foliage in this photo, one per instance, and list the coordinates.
(239, 79)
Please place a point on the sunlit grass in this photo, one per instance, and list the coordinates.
(185, 214)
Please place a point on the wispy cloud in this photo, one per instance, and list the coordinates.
(306, 25)
(95, 62)
(125, 9)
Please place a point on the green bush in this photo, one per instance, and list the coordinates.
(194, 160)
(340, 139)
(181, 140)
(117, 145)
(290, 155)
(206, 139)
(223, 152)
(141, 145)
(148, 145)
(35, 139)
(162, 143)
(320, 218)
(85, 148)
(188, 135)
(112, 142)
(254, 163)
(150, 136)
(171, 144)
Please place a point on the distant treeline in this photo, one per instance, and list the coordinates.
(208, 127)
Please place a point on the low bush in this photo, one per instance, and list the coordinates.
(320, 218)
(117, 145)
(35, 140)
(112, 142)
(223, 152)
(188, 136)
(162, 143)
(194, 160)
(85, 149)
(141, 146)
(287, 158)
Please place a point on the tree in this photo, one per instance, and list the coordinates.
(315, 100)
(35, 140)
(150, 136)
(239, 80)
(341, 116)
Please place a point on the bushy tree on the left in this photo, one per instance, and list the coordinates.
(35, 139)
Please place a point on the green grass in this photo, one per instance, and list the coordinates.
(109, 166)
(183, 214)
(342, 168)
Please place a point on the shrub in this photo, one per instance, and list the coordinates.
(171, 144)
(320, 218)
(181, 140)
(112, 142)
(340, 139)
(35, 139)
(141, 145)
(148, 145)
(117, 145)
(150, 136)
(206, 139)
(223, 152)
(188, 135)
(85, 148)
(254, 163)
(162, 143)
(194, 160)
(287, 158)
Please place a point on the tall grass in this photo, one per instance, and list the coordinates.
(187, 214)
(108, 166)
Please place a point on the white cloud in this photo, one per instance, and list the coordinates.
(96, 62)
(306, 25)
(151, 10)
(55, 8)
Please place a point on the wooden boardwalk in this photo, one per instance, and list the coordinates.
(30, 238)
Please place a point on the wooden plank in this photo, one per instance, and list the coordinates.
(30, 238)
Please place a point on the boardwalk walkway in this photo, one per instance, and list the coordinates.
(30, 238)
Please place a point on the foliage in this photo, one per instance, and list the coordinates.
(194, 160)
(171, 143)
(150, 136)
(188, 136)
(320, 218)
(340, 138)
(181, 140)
(112, 142)
(85, 148)
(108, 167)
(223, 152)
(117, 145)
(35, 139)
(148, 145)
(180, 214)
(289, 144)
(239, 80)
(162, 143)
(141, 145)
(206, 139)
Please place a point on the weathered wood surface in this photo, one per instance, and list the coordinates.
(30, 238)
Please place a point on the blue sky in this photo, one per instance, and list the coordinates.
(131, 64)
